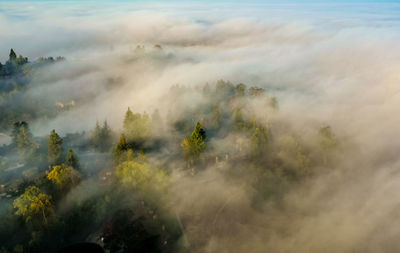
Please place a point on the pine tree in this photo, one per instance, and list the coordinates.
(96, 136)
(197, 138)
(137, 127)
(121, 150)
(13, 55)
(24, 141)
(259, 142)
(55, 149)
(16, 129)
(72, 160)
(145, 126)
(128, 120)
(105, 137)
(238, 120)
(195, 144)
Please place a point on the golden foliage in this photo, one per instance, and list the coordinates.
(33, 203)
(65, 177)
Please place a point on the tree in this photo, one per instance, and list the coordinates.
(13, 55)
(259, 142)
(16, 129)
(101, 137)
(72, 160)
(128, 120)
(141, 175)
(195, 144)
(96, 136)
(55, 149)
(256, 91)
(121, 151)
(238, 120)
(34, 204)
(24, 141)
(21, 60)
(241, 89)
(137, 127)
(64, 177)
(105, 137)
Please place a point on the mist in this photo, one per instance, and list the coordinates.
(327, 64)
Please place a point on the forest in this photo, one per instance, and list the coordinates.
(125, 190)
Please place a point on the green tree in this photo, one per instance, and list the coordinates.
(238, 120)
(55, 149)
(128, 120)
(21, 60)
(16, 129)
(137, 127)
(195, 144)
(96, 136)
(105, 137)
(121, 150)
(34, 205)
(101, 137)
(259, 142)
(142, 176)
(24, 141)
(13, 55)
(72, 160)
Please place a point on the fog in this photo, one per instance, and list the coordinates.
(327, 64)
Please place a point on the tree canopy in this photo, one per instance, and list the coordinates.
(55, 149)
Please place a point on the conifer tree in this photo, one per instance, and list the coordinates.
(121, 150)
(128, 120)
(238, 120)
(195, 144)
(55, 149)
(16, 129)
(96, 136)
(13, 55)
(105, 137)
(72, 160)
(24, 140)
(137, 127)
(259, 142)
